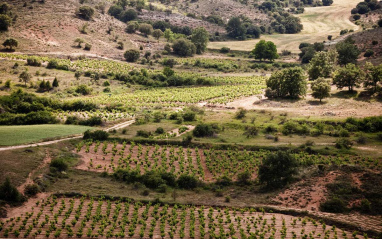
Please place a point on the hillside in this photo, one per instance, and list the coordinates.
(52, 27)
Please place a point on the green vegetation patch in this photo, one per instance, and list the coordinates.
(14, 135)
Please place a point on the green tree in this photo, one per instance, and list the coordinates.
(25, 77)
(265, 50)
(321, 89)
(200, 38)
(168, 34)
(373, 75)
(236, 29)
(322, 64)
(347, 52)
(5, 22)
(132, 55)
(9, 193)
(146, 29)
(85, 12)
(128, 15)
(184, 47)
(278, 169)
(55, 82)
(157, 33)
(349, 76)
(287, 83)
(11, 43)
(132, 27)
(327, 2)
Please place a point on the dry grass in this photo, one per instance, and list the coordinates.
(319, 22)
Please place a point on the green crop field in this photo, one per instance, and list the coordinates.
(14, 135)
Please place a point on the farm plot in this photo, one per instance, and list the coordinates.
(206, 164)
(89, 217)
(174, 97)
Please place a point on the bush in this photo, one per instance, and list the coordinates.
(204, 130)
(92, 121)
(343, 143)
(132, 55)
(5, 22)
(85, 12)
(83, 90)
(368, 53)
(189, 116)
(159, 130)
(59, 164)
(9, 193)
(187, 182)
(334, 205)
(31, 190)
(251, 131)
(240, 114)
(244, 177)
(184, 47)
(143, 133)
(225, 50)
(33, 61)
(96, 135)
(278, 169)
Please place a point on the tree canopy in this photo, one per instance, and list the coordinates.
(265, 50)
(321, 89)
(322, 64)
(349, 76)
(200, 39)
(287, 83)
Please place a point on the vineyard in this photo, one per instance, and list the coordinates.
(174, 97)
(57, 217)
(105, 116)
(207, 165)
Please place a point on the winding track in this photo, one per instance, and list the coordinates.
(115, 127)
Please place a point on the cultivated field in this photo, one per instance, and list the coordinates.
(84, 218)
(319, 22)
(23, 134)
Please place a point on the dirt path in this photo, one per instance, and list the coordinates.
(115, 127)
(29, 180)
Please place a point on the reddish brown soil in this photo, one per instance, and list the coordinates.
(307, 194)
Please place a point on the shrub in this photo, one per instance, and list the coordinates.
(11, 43)
(85, 12)
(145, 29)
(184, 47)
(159, 130)
(52, 64)
(88, 47)
(31, 189)
(132, 55)
(5, 22)
(244, 177)
(204, 130)
(83, 89)
(143, 133)
(92, 121)
(343, 143)
(59, 164)
(96, 135)
(277, 169)
(368, 53)
(187, 182)
(189, 116)
(9, 193)
(251, 131)
(334, 205)
(225, 50)
(240, 114)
